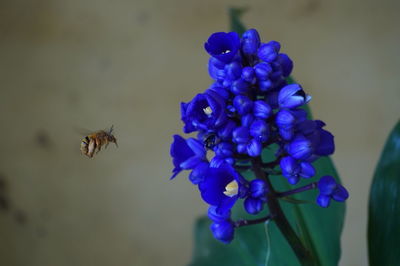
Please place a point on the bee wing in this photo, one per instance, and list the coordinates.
(83, 131)
(110, 130)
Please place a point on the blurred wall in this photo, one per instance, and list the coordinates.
(67, 65)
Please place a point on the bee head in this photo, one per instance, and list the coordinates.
(112, 139)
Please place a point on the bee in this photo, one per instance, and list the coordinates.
(95, 140)
(210, 140)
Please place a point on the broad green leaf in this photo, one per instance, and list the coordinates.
(384, 206)
(318, 228)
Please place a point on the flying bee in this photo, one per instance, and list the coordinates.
(95, 140)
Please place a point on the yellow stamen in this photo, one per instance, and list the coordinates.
(232, 189)
(207, 110)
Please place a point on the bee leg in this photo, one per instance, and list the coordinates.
(98, 143)
(91, 148)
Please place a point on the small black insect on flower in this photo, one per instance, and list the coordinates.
(210, 140)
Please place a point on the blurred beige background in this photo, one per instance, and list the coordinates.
(90, 64)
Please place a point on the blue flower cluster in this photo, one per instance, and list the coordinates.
(249, 106)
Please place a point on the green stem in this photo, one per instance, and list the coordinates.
(303, 255)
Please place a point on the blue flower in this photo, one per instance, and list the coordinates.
(329, 189)
(321, 140)
(248, 107)
(292, 96)
(293, 170)
(222, 187)
(187, 154)
(198, 174)
(223, 46)
(206, 111)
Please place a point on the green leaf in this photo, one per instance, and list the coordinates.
(318, 228)
(384, 205)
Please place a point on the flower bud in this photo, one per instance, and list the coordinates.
(225, 132)
(253, 206)
(262, 70)
(250, 42)
(242, 104)
(254, 148)
(292, 96)
(248, 74)
(259, 130)
(285, 119)
(258, 188)
(286, 64)
(223, 231)
(265, 85)
(300, 148)
(217, 217)
(306, 170)
(268, 52)
(241, 135)
(246, 120)
(261, 109)
(239, 86)
(224, 149)
(233, 71)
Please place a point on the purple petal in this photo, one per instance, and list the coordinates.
(323, 200)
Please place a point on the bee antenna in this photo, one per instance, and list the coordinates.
(111, 129)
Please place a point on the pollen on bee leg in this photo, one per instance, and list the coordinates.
(231, 189)
(207, 110)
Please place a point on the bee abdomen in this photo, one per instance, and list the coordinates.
(88, 146)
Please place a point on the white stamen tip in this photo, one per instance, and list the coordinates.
(207, 110)
(231, 189)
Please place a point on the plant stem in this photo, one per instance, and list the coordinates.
(280, 219)
(296, 190)
(241, 223)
